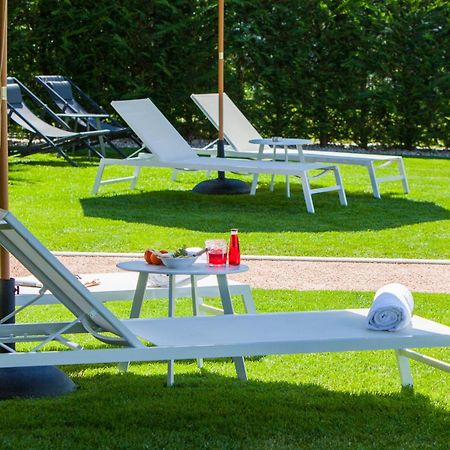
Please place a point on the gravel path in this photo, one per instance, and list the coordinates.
(302, 275)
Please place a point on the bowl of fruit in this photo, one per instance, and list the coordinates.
(179, 259)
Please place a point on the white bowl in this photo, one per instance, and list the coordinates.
(178, 263)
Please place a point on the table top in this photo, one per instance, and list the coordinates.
(82, 115)
(280, 141)
(198, 268)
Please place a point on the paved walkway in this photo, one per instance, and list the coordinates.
(348, 276)
(298, 273)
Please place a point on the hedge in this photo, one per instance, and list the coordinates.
(334, 70)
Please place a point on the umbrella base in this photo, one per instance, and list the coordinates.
(34, 382)
(222, 186)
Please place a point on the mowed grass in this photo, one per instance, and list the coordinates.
(54, 200)
(332, 401)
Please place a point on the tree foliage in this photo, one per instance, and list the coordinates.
(335, 70)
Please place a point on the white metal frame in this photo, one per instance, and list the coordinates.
(169, 149)
(120, 286)
(238, 131)
(191, 337)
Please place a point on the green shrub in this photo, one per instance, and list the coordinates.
(334, 70)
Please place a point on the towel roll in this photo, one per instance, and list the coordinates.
(392, 308)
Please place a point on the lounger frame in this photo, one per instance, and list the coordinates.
(170, 150)
(54, 138)
(54, 84)
(190, 337)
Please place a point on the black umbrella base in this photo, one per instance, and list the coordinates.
(222, 186)
(34, 382)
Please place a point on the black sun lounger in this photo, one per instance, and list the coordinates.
(52, 137)
(72, 100)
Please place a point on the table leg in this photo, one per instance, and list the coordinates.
(274, 158)
(228, 309)
(195, 308)
(139, 295)
(256, 175)
(136, 306)
(101, 139)
(170, 371)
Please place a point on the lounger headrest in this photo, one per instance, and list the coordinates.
(63, 88)
(15, 95)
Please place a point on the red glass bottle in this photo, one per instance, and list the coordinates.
(234, 254)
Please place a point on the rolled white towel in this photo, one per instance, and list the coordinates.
(392, 308)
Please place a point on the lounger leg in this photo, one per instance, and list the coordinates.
(404, 368)
(170, 371)
(173, 177)
(247, 299)
(195, 309)
(66, 157)
(401, 168)
(373, 180)
(98, 177)
(307, 192)
(254, 184)
(338, 178)
(288, 186)
(136, 172)
(228, 309)
(272, 178)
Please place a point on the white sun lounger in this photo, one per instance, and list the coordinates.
(120, 286)
(169, 149)
(238, 131)
(189, 337)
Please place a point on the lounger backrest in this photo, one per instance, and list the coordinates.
(15, 95)
(61, 89)
(15, 103)
(154, 130)
(62, 95)
(61, 92)
(64, 90)
(236, 128)
(15, 238)
(21, 114)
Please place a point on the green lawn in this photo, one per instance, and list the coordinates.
(332, 401)
(53, 199)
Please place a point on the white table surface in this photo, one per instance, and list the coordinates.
(195, 269)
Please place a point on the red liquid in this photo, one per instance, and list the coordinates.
(234, 254)
(217, 258)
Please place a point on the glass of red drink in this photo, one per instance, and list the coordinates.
(217, 252)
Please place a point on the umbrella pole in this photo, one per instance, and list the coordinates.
(221, 185)
(220, 83)
(7, 301)
(4, 255)
(18, 382)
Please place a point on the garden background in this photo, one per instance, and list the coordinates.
(333, 70)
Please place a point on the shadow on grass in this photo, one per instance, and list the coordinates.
(264, 212)
(212, 411)
(19, 162)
